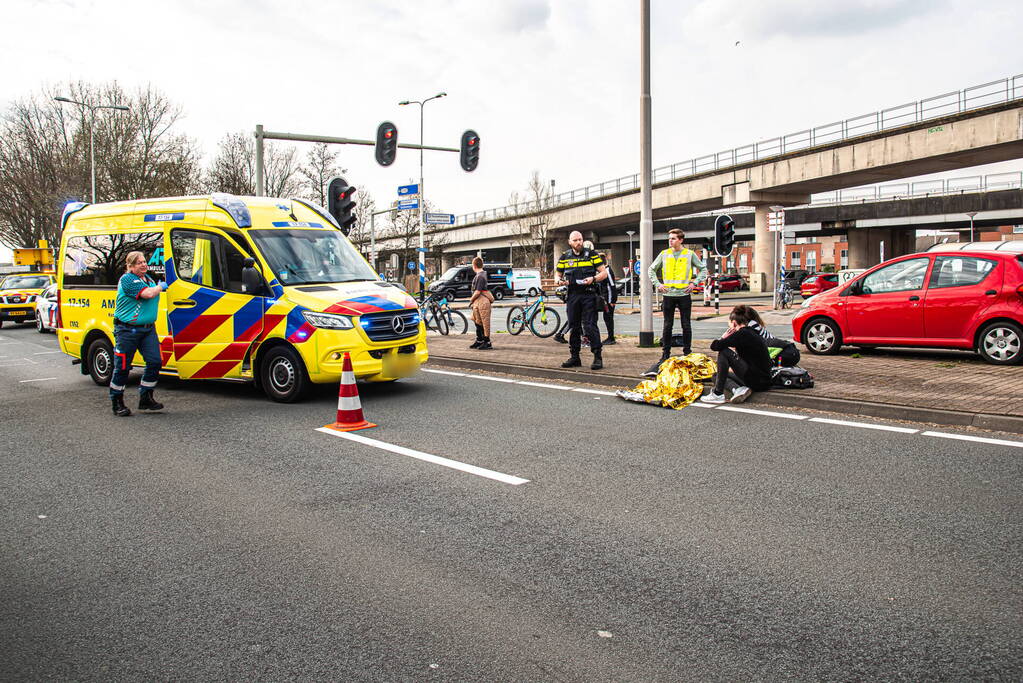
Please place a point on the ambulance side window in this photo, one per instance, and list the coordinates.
(207, 259)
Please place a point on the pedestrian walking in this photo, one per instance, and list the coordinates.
(744, 364)
(135, 310)
(680, 269)
(480, 302)
(609, 292)
(581, 269)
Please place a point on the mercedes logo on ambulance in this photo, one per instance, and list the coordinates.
(398, 325)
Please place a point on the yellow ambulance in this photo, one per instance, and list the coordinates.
(260, 289)
(18, 296)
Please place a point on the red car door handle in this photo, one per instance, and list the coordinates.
(990, 292)
(914, 298)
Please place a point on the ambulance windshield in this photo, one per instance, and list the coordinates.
(302, 257)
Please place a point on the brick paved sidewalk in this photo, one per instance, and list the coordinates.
(944, 380)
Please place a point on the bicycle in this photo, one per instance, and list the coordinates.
(438, 315)
(784, 295)
(543, 322)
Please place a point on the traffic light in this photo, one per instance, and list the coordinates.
(470, 152)
(387, 143)
(724, 235)
(341, 203)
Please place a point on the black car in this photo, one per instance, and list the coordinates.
(456, 281)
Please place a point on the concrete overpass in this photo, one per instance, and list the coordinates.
(974, 126)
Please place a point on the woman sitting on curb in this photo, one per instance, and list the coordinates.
(744, 364)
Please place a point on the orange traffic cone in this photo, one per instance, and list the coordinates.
(349, 409)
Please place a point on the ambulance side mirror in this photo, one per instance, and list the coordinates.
(252, 281)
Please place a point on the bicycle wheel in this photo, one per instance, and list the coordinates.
(456, 321)
(545, 322)
(441, 321)
(516, 319)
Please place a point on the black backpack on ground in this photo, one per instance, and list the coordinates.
(791, 378)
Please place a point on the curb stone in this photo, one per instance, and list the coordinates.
(781, 398)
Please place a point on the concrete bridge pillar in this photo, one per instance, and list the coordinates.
(865, 245)
(763, 275)
(446, 261)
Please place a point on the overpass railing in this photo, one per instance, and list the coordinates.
(955, 102)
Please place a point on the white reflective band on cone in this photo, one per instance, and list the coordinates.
(348, 403)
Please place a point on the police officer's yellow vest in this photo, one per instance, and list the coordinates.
(677, 267)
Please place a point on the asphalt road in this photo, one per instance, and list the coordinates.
(226, 538)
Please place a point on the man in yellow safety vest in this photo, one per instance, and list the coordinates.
(681, 268)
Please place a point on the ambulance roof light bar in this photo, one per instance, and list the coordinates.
(234, 207)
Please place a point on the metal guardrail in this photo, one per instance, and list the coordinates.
(955, 102)
(923, 188)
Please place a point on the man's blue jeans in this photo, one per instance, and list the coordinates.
(128, 339)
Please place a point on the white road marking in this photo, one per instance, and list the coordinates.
(699, 404)
(768, 413)
(43, 353)
(444, 372)
(435, 459)
(864, 425)
(16, 363)
(492, 379)
(978, 439)
(41, 379)
(594, 391)
(544, 386)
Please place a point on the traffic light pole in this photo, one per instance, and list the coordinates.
(646, 218)
(262, 135)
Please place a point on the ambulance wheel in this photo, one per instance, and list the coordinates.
(100, 357)
(283, 376)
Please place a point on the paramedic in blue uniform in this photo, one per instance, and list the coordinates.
(581, 269)
(138, 301)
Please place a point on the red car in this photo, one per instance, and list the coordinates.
(728, 283)
(956, 296)
(817, 283)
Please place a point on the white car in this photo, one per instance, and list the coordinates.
(46, 309)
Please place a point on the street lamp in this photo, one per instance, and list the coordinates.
(92, 121)
(632, 280)
(777, 258)
(422, 191)
(971, 214)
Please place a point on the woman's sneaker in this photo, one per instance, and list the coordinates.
(739, 394)
(713, 397)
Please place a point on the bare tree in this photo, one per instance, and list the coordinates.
(365, 205)
(403, 228)
(44, 155)
(534, 224)
(321, 166)
(233, 169)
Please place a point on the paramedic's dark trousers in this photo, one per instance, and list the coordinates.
(128, 339)
(582, 317)
(731, 370)
(684, 306)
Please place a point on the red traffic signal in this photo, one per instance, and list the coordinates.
(340, 204)
(387, 143)
(469, 156)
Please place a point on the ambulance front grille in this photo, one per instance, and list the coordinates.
(382, 326)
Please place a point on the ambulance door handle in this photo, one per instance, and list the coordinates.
(184, 303)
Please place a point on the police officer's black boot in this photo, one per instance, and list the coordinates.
(120, 410)
(572, 362)
(598, 362)
(147, 402)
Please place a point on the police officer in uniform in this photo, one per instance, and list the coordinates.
(581, 268)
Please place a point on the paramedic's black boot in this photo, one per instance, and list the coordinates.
(573, 362)
(598, 362)
(486, 345)
(147, 402)
(120, 410)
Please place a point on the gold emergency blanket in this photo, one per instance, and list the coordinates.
(678, 382)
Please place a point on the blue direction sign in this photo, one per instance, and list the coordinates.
(638, 271)
(408, 189)
(408, 204)
(411, 265)
(440, 218)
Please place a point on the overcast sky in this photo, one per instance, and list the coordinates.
(550, 85)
